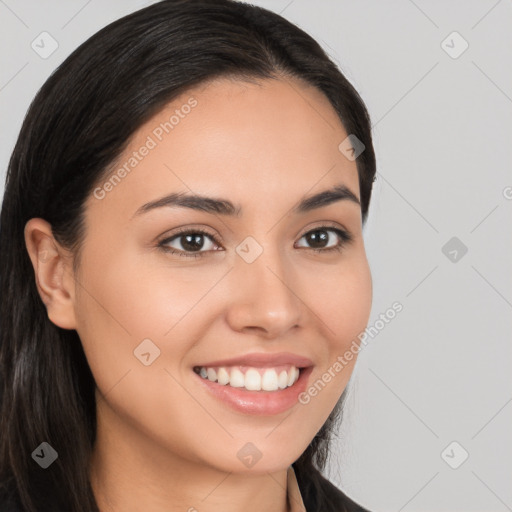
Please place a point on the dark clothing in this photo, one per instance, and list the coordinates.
(319, 495)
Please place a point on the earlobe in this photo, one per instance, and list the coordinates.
(52, 271)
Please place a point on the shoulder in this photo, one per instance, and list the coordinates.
(337, 497)
(319, 494)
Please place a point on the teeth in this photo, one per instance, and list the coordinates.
(283, 380)
(269, 380)
(236, 379)
(291, 376)
(254, 379)
(222, 376)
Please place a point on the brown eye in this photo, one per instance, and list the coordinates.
(194, 242)
(326, 239)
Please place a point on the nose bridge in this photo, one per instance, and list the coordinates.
(265, 297)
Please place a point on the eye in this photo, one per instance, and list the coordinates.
(195, 242)
(190, 243)
(327, 239)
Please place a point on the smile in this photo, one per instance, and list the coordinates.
(255, 384)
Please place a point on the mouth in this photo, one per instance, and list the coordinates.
(257, 384)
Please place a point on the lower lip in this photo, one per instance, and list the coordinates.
(262, 403)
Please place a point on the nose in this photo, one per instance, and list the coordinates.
(263, 299)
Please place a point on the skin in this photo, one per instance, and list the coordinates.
(164, 443)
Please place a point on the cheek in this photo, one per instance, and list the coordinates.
(133, 297)
(129, 301)
(119, 305)
(342, 299)
(126, 300)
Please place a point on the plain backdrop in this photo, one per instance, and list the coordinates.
(428, 420)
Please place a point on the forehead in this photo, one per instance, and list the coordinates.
(275, 139)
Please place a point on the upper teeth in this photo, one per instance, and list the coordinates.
(254, 379)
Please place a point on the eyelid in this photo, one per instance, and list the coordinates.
(322, 224)
(183, 230)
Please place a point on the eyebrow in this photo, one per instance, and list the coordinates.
(226, 207)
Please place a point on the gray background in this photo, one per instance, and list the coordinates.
(440, 370)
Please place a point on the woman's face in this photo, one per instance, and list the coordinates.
(243, 281)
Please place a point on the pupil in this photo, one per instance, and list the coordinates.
(318, 236)
(193, 242)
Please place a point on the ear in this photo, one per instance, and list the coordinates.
(53, 272)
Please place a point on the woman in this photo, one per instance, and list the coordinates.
(183, 268)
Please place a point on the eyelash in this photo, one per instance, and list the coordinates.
(344, 236)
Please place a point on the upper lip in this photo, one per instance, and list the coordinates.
(263, 360)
